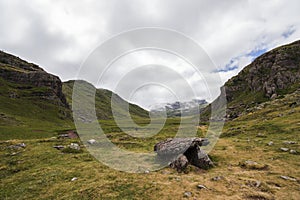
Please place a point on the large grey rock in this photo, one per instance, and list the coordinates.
(180, 164)
(176, 146)
(184, 151)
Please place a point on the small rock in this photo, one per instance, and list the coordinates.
(18, 146)
(74, 146)
(288, 178)
(58, 147)
(284, 149)
(23, 145)
(63, 136)
(260, 135)
(146, 171)
(91, 141)
(187, 194)
(254, 183)
(274, 96)
(249, 164)
(270, 143)
(180, 164)
(74, 179)
(292, 151)
(201, 187)
(217, 178)
(289, 142)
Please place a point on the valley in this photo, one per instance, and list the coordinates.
(256, 157)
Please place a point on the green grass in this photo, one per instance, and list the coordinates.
(41, 172)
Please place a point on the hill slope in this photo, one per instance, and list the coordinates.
(103, 99)
(33, 103)
(269, 76)
(31, 100)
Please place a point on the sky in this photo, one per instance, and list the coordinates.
(61, 35)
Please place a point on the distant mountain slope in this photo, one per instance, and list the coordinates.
(31, 76)
(33, 103)
(269, 76)
(30, 98)
(187, 108)
(103, 102)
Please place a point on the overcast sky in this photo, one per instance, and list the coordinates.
(60, 35)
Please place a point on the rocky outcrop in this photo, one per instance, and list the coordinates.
(270, 73)
(183, 151)
(29, 75)
(269, 76)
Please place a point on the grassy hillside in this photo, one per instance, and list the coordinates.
(103, 103)
(27, 110)
(39, 171)
(270, 76)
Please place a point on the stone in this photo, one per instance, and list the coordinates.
(260, 135)
(217, 178)
(288, 178)
(249, 164)
(58, 147)
(74, 179)
(74, 146)
(292, 151)
(91, 141)
(284, 149)
(274, 96)
(183, 151)
(187, 194)
(289, 142)
(254, 183)
(201, 187)
(180, 164)
(63, 136)
(270, 143)
(176, 146)
(146, 171)
(18, 146)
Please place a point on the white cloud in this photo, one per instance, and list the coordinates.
(60, 35)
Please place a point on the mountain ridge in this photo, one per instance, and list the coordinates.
(271, 75)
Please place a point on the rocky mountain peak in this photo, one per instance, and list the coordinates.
(270, 76)
(31, 76)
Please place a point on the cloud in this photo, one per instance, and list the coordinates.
(60, 35)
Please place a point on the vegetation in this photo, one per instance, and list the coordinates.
(39, 171)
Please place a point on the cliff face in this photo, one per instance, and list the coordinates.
(269, 76)
(31, 77)
(272, 73)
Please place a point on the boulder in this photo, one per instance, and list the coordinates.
(183, 151)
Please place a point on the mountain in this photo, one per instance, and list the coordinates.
(177, 108)
(104, 99)
(270, 76)
(33, 81)
(33, 102)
